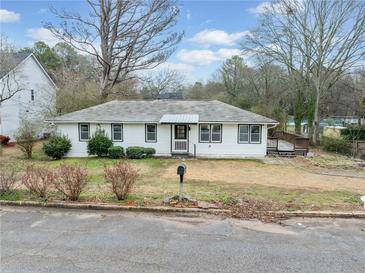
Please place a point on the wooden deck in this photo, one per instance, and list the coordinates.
(287, 144)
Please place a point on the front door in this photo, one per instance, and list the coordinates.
(180, 139)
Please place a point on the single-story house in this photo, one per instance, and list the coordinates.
(196, 128)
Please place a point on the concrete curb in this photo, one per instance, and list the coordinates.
(69, 205)
(164, 209)
(320, 214)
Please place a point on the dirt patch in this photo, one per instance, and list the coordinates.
(243, 173)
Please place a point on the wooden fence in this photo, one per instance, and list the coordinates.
(298, 141)
(359, 148)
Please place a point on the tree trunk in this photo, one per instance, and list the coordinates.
(316, 120)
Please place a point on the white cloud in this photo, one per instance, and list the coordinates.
(277, 7)
(205, 57)
(42, 11)
(7, 16)
(188, 15)
(209, 37)
(42, 34)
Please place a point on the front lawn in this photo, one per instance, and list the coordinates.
(219, 181)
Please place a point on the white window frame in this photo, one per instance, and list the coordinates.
(220, 133)
(259, 141)
(146, 134)
(239, 134)
(200, 133)
(121, 133)
(88, 132)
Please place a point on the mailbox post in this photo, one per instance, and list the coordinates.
(181, 169)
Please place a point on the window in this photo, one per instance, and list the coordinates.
(180, 132)
(255, 134)
(84, 132)
(249, 134)
(117, 132)
(204, 133)
(32, 95)
(151, 133)
(216, 133)
(243, 131)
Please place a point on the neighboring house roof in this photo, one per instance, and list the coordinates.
(20, 58)
(153, 111)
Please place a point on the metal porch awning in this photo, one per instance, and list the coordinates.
(179, 119)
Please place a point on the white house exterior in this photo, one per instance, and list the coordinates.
(34, 100)
(200, 128)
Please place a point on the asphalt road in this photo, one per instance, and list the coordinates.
(56, 240)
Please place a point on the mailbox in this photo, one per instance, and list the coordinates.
(181, 169)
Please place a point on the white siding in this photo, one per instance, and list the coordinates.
(134, 135)
(29, 76)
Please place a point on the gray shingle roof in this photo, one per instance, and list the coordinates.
(152, 111)
(15, 59)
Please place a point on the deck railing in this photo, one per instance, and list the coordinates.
(299, 142)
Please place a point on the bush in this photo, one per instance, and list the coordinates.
(38, 180)
(149, 151)
(57, 146)
(99, 144)
(70, 181)
(4, 140)
(353, 133)
(136, 152)
(8, 179)
(140, 152)
(115, 152)
(338, 145)
(122, 177)
(26, 138)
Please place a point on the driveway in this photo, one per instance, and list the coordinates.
(56, 240)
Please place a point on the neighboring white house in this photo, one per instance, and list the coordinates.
(201, 128)
(35, 98)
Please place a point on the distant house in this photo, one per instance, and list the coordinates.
(33, 101)
(172, 127)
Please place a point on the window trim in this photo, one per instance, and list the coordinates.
(210, 133)
(249, 134)
(112, 132)
(200, 141)
(88, 125)
(260, 134)
(220, 132)
(145, 135)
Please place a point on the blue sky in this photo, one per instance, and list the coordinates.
(213, 30)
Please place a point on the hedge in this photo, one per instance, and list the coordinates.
(136, 152)
(338, 145)
(353, 133)
(115, 152)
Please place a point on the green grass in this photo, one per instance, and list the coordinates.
(151, 187)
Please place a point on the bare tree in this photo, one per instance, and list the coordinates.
(327, 39)
(123, 36)
(163, 81)
(9, 84)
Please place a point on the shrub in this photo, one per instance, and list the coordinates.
(71, 180)
(4, 140)
(99, 144)
(8, 179)
(122, 177)
(115, 152)
(136, 152)
(149, 151)
(57, 146)
(338, 145)
(26, 138)
(140, 152)
(353, 133)
(38, 180)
